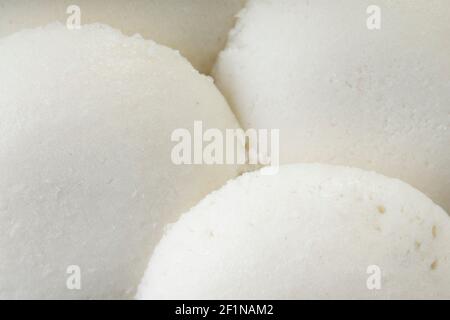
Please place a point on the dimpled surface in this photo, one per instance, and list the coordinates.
(85, 157)
(198, 28)
(343, 94)
(310, 231)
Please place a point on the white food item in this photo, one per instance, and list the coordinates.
(311, 231)
(343, 94)
(85, 157)
(198, 28)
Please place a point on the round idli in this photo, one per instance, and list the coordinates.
(87, 180)
(344, 93)
(198, 28)
(310, 232)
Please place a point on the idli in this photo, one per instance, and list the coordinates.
(197, 28)
(310, 232)
(87, 180)
(342, 91)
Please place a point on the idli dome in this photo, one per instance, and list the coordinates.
(310, 232)
(342, 91)
(198, 28)
(87, 178)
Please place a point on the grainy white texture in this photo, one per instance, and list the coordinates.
(309, 232)
(343, 94)
(85, 167)
(198, 28)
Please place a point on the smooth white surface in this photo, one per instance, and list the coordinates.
(85, 167)
(198, 28)
(309, 232)
(343, 94)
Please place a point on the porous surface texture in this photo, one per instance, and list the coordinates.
(85, 157)
(343, 94)
(197, 28)
(310, 232)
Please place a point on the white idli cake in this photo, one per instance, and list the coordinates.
(198, 28)
(85, 157)
(343, 94)
(311, 231)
